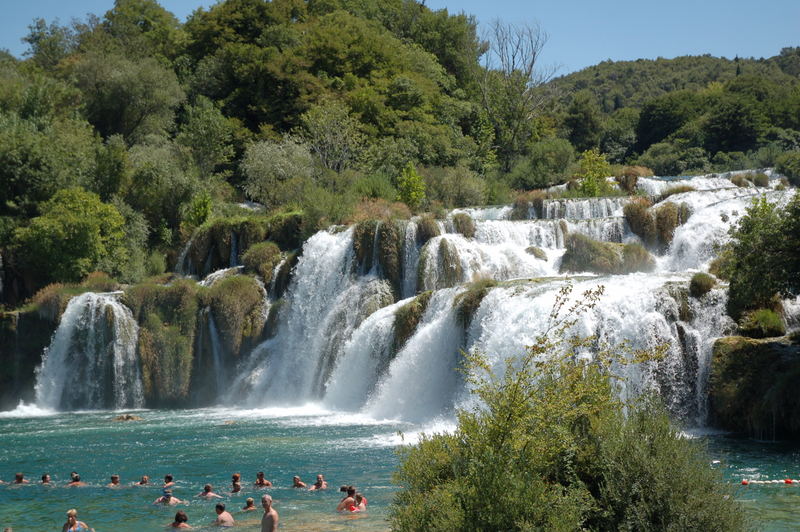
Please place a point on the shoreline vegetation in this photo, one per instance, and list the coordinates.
(139, 154)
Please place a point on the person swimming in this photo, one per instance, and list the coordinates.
(297, 483)
(168, 482)
(224, 518)
(167, 499)
(73, 525)
(181, 520)
(114, 482)
(45, 479)
(250, 505)
(145, 481)
(76, 481)
(207, 493)
(320, 484)
(261, 482)
(19, 478)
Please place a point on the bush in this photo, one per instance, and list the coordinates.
(788, 164)
(378, 209)
(550, 435)
(667, 219)
(740, 181)
(630, 175)
(237, 305)
(701, 284)
(464, 224)
(641, 221)
(536, 252)
(99, 282)
(586, 255)
(760, 180)
(427, 228)
(262, 258)
(680, 189)
(525, 201)
(762, 323)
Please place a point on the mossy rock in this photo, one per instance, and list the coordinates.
(449, 271)
(467, 302)
(740, 181)
(761, 323)
(284, 274)
(641, 221)
(407, 318)
(364, 244)
(679, 292)
(176, 303)
(753, 387)
(237, 303)
(464, 224)
(23, 338)
(166, 357)
(701, 284)
(390, 254)
(427, 228)
(261, 258)
(536, 252)
(586, 255)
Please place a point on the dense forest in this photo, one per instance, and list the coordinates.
(122, 134)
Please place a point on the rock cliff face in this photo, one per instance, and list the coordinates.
(23, 337)
(754, 385)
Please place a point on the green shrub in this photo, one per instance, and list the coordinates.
(553, 439)
(762, 323)
(390, 253)
(667, 219)
(467, 302)
(262, 258)
(635, 258)
(760, 180)
(407, 318)
(427, 228)
(536, 252)
(701, 284)
(165, 354)
(740, 181)
(679, 189)
(788, 165)
(523, 203)
(464, 224)
(100, 282)
(641, 221)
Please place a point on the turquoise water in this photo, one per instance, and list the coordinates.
(196, 447)
(208, 445)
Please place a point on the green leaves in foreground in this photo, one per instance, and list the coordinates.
(551, 448)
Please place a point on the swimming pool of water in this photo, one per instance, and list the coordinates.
(209, 445)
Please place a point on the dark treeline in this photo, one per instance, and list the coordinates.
(121, 134)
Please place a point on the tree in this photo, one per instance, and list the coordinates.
(511, 91)
(549, 447)
(411, 187)
(593, 169)
(548, 164)
(332, 135)
(76, 234)
(133, 98)
(208, 134)
(763, 256)
(735, 123)
(584, 121)
(49, 44)
(277, 172)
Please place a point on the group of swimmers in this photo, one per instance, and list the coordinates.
(353, 501)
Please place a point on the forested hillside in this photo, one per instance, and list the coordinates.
(123, 133)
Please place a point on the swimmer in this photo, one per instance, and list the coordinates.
(320, 484)
(261, 482)
(168, 482)
(269, 522)
(73, 525)
(250, 505)
(297, 483)
(114, 482)
(236, 488)
(19, 478)
(361, 503)
(46, 479)
(223, 518)
(207, 493)
(145, 481)
(76, 481)
(167, 499)
(181, 520)
(349, 502)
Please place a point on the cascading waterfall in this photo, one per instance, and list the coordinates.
(91, 362)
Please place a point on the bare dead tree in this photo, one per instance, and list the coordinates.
(512, 83)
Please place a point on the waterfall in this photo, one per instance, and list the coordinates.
(410, 260)
(233, 260)
(91, 362)
(216, 353)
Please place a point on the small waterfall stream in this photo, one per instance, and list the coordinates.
(91, 362)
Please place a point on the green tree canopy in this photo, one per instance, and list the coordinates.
(75, 234)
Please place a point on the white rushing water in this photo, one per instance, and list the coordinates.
(91, 362)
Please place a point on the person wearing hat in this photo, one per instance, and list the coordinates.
(269, 523)
(73, 525)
